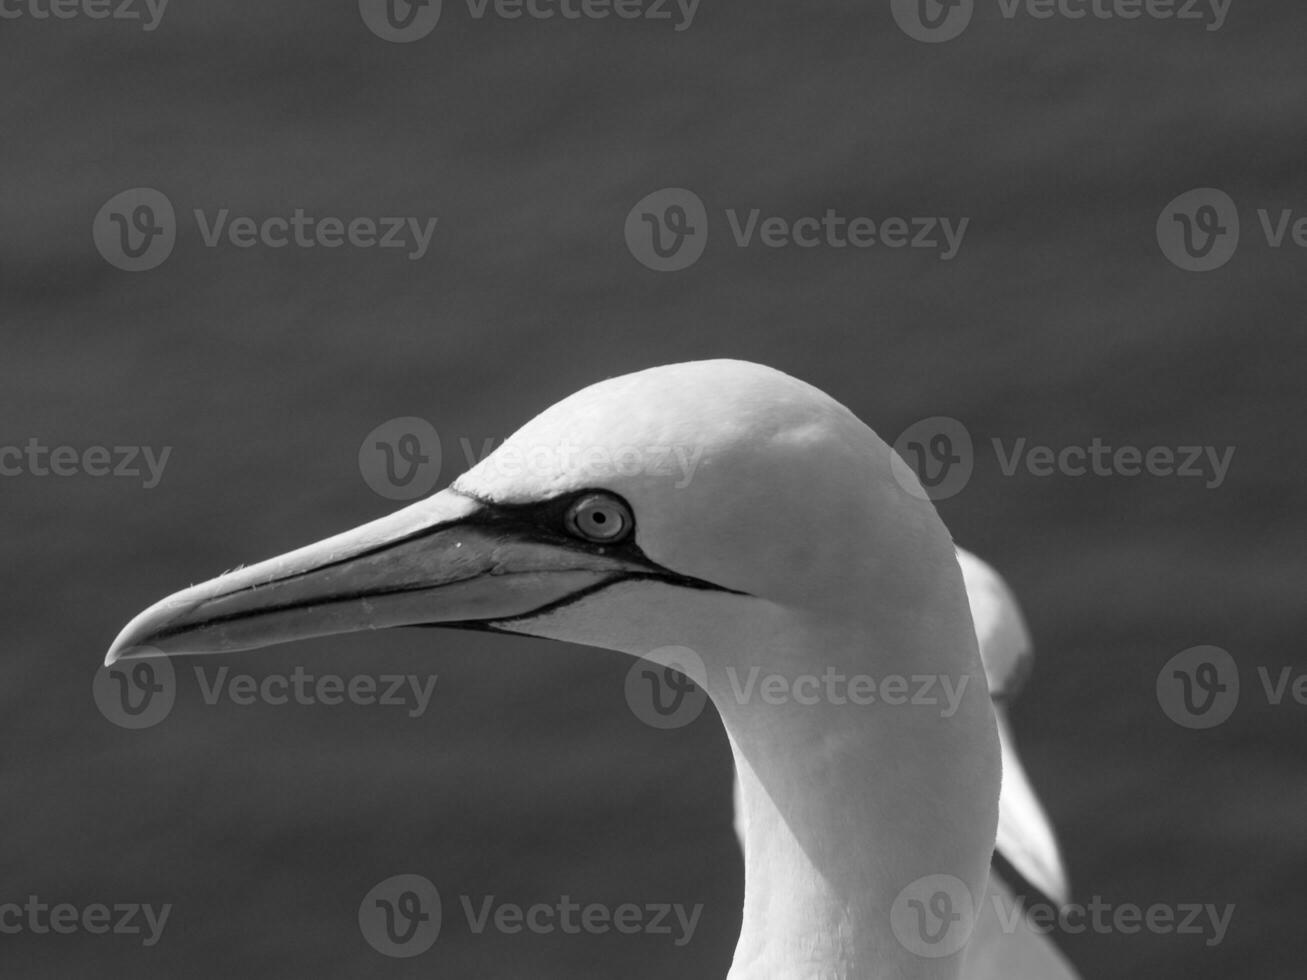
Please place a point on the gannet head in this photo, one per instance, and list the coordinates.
(731, 509)
(715, 477)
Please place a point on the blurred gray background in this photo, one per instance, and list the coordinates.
(1060, 320)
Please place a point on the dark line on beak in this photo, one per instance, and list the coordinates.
(670, 578)
(300, 604)
(665, 576)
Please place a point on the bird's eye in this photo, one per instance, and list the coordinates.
(599, 518)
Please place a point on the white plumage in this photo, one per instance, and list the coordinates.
(795, 552)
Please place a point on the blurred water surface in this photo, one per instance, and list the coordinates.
(1059, 321)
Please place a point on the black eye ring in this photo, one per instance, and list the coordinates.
(600, 518)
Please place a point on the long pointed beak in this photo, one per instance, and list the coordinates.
(439, 561)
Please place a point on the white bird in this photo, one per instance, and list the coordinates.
(795, 550)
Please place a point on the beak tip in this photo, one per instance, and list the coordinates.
(127, 648)
(129, 651)
(134, 640)
(117, 654)
(120, 649)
